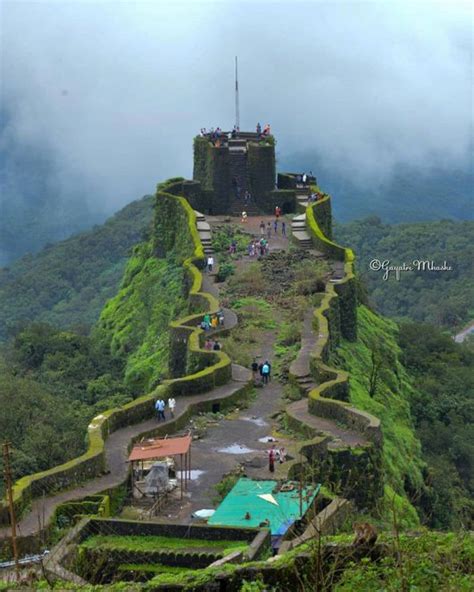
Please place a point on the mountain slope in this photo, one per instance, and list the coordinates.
(68, 283)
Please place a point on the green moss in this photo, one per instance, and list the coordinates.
(162, 543)
(134, 324)
(401, 449)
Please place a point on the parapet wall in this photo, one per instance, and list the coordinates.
(218, 368)
(336, 317)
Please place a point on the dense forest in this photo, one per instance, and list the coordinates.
(441, 298)
(442, 407)
(52, 383)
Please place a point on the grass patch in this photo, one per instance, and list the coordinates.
(160, 543)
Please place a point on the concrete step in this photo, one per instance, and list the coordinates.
(299, 217)
(204, 226)
(199, 217)
(302, 235)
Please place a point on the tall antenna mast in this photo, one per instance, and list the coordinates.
(237, 113)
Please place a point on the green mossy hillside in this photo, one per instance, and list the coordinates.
(134, 324)
(376, 351)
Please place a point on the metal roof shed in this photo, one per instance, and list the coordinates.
(157, 448)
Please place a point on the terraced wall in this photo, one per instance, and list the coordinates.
(217, 370)
(335, 317)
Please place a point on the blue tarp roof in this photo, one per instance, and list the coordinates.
(281, 508)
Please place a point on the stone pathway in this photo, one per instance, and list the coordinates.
(116, 450)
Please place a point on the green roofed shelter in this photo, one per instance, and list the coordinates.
(251, 503)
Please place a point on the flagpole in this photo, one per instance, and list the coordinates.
(237, 112)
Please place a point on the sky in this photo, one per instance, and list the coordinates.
(115, 91)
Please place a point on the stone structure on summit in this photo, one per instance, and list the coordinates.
(235, 173)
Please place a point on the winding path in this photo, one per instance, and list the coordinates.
(116, 451)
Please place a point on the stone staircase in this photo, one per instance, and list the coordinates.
(339, 436)
(204, 231)
(299, 232)
(302, 194)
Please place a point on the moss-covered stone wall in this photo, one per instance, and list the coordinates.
(261, 169)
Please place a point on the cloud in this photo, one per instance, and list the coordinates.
(116, 91)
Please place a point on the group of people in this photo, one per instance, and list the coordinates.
(160, 407)
(212, 321)
(267, 228)
(217, 135)
(212, 345)
(256, 248)
(314, 196)
(261, 372)
(275, 454)
(265, 132)
(305, 178)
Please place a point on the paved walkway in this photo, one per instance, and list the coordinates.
(116, 451)
(236, 441)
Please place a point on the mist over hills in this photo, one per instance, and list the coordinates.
(410, 194)
(39, 204)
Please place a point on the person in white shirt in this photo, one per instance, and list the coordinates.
(210, 263)
(171, 405)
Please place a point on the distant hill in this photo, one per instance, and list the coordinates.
(68, 283)
(443, 298)
(409, 195)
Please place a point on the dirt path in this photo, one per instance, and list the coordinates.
(233, 442)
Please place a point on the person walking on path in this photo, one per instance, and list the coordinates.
(266, 372)
(271, 459)
(283, 228)
(275, 226)
(282, 455)
(269, 230)
(262, 227)
(254, 369)
(277, 212)
(171, 405)
(210, 263)
(160, 409)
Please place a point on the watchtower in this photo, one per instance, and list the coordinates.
(236, 170)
